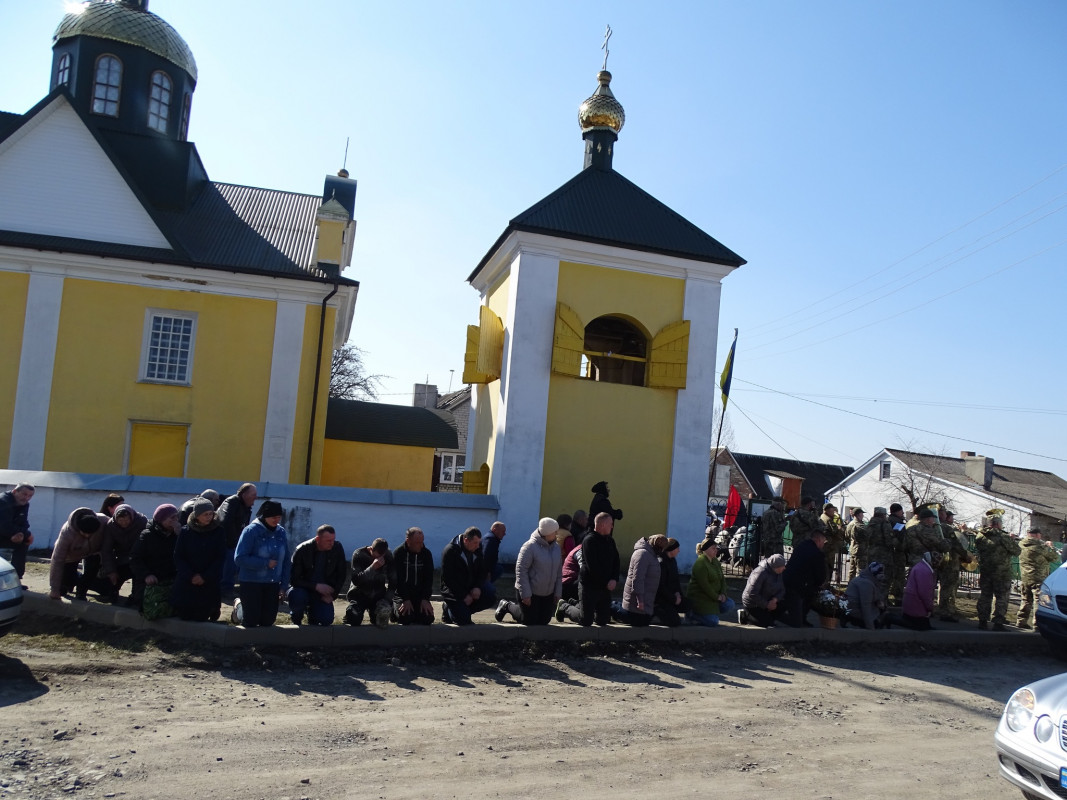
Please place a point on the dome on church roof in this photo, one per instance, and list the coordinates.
(602, 110)
(130, 22)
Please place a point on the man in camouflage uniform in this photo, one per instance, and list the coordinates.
(856, 534)
(835, 539)
(995, 551)
(804, 521)
(925, 537)
(898, 572)
(883, 546)
(1035, 557)
(772, 526)
(948, 577)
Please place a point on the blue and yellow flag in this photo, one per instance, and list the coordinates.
(728, 373)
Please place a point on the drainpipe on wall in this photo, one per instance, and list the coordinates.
(315, 390)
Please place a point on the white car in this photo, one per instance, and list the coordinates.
(1051, 612)
(1030, 739)
(10, 596)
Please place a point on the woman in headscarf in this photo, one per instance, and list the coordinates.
(263, 563)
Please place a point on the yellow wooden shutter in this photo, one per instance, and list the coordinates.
(568, 343)
(470, 358)
(490, 343)
(670, 356)
(476, 481)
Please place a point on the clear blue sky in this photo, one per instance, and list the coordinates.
(892, 172)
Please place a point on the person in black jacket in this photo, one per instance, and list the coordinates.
(234, 515)
(600, 572)
(804, 576)
(601, 504)
(462, 578)
(318, 575)
(373, 585)
(414, 580)
(15, 525)
(670, 602)
(152, 559)
(198, 553)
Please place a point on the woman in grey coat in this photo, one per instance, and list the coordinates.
(642, 582)
(538, 578)
(763, 600)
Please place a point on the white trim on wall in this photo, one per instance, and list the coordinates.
(283, 393)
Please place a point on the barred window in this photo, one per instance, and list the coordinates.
(168, 348)
(106, 86)
(63, 72)
(159, 102)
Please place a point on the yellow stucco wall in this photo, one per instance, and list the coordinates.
(13, 289)
(302, 419)
(603, 431)
(488, 395)
(95, 388)
(367, 465)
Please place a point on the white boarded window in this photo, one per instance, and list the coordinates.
(167, 353)
(159, 102)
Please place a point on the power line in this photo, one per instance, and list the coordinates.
(899, 425)
(849, 456)
(782, 446)
(807, 309)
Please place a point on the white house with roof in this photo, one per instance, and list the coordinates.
(969, 485)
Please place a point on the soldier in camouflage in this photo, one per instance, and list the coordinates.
(835, 539)
(804, 521)
(995, 551)
(856, 534)
(772, 526)
(1035, 557)
(883, 546)
(898, 572)
(948, 577)
(925, 537)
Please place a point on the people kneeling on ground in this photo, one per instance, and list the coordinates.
(763, 601)
(599, 572)
(642, 583)
(538, 578)
(263, 564)
(373, 579)
(462, 578)
(670, 604)
(198, 554)
(414, 580)
(918, 604)
(707, 587)
(866, 608)
(318, 575)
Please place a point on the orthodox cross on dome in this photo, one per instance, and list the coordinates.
(604, 47)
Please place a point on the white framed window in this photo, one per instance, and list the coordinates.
(452, 466)
(159, 102)
(63, 72)
(106, 86)
(885, 470)
(167, 350)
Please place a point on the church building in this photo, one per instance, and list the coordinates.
(594, 356)
(156, 322)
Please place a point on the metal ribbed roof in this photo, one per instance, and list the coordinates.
(382, 423)
(123, 22)
(603, 207)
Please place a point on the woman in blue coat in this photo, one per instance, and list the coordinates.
(263, 562)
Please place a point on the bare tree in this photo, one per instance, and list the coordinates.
(348, 376)
(727, 439)
(916, 481)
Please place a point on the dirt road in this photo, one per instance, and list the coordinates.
(151, 720)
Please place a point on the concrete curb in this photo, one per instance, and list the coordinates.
(292, 636)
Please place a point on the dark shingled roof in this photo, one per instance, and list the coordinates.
(817, 477)
(603, 207)
(1044, 492)
(211, 225)
(381, 423)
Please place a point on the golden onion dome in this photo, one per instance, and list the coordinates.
(130, 22)
(602, 110)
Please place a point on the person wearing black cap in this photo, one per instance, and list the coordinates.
(80, 537)
(601, 504)
(263, 563)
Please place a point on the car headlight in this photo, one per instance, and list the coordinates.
(1044, 598)
(9, 580)
(1019, 712)
(1044, 728)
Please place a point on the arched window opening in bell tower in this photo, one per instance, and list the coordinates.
(107, 84)
(616, 351)
(159, 102)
